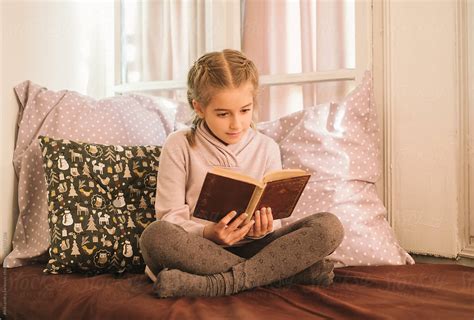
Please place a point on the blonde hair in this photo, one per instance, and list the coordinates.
(216, 71)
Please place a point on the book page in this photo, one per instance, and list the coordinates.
(283, 174)
(235, 175)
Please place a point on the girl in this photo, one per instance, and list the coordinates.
(188, 256)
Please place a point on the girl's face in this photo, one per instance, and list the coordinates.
(229, 113)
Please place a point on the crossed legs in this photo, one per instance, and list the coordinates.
(198, 266)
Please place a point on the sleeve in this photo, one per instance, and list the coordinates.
(170, 202)
(273, 157)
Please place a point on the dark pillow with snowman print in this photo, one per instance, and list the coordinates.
(101, 198)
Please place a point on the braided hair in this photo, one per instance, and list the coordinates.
(215, 71)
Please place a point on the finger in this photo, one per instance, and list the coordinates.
(264, 221)
(240, 233)
(251, 232)
(237, 222)
(222, 224)
(258, 223)
(270, 220)
(247, 229)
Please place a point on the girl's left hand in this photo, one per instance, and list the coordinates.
(263, 223)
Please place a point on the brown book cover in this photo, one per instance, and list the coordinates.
(224, 190)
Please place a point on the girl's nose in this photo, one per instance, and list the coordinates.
(235, 123)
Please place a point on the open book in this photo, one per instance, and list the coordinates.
(224, 190)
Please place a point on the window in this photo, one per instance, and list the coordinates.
(307, 51)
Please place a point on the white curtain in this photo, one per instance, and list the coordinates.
(281, 36)
(293, 36)
(162, 39)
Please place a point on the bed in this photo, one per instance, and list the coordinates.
(87, 178)
(420, 291)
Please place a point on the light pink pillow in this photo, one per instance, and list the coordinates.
(122, 120)
(338, 144)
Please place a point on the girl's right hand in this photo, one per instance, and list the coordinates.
(228, 234)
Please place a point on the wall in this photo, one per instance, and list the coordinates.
(469, 227)
(422, 112)
(60, 45)
(7, 131)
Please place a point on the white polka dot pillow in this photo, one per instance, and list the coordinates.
(338, 144)
(130, 120)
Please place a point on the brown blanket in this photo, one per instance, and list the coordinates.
(421, 291)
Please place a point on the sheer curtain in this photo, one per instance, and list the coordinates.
(294, 36)
(164, 37)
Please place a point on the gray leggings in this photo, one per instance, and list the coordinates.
(279, 255)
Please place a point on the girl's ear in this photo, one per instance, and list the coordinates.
(198, 108)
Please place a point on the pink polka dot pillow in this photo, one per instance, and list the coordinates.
(338, 144)
(123, 120)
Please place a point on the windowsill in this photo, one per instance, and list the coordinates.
(440, 260)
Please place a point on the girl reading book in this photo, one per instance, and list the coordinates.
(187, 256)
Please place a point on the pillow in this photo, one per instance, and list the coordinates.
(338, 143)
(129, 120)
(101, 197)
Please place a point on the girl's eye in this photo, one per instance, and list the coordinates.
(245, 110)
(221, 115)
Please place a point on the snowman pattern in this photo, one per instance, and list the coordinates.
(67, 218)
(76, 184)
(62, 163)
(127, 249)
(119, 202)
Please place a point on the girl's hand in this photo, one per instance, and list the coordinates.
(263, 223)
(227, 234)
